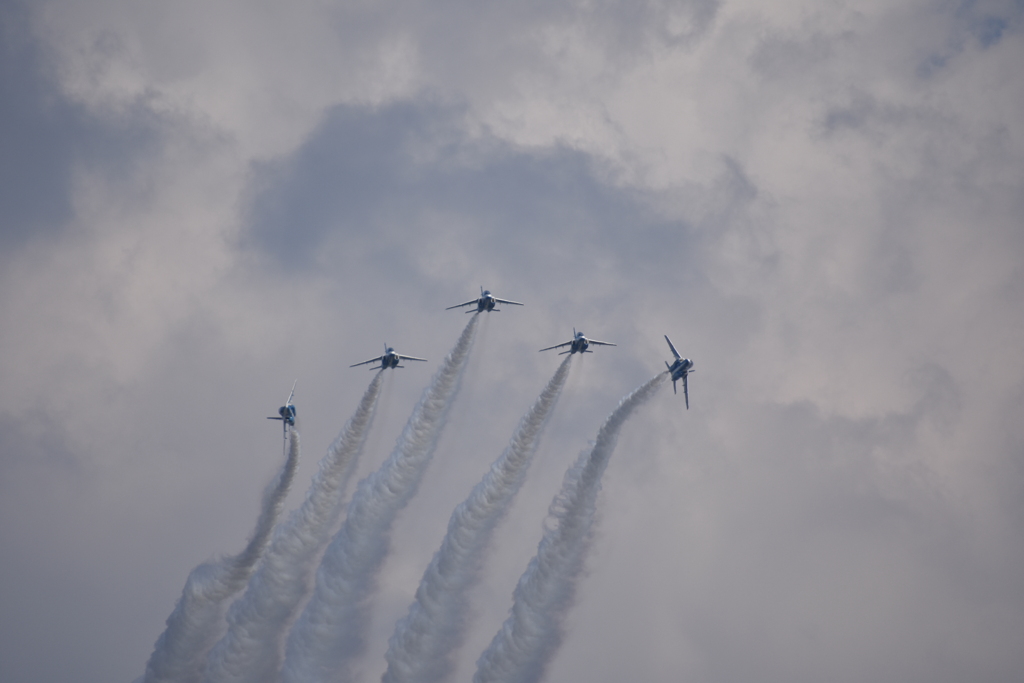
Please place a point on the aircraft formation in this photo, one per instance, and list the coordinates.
(302, 610)
(485, 303)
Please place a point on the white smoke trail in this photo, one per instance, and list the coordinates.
(197, 621)
(331, 629)
(251, 650)
(421, 649)
(532, 633)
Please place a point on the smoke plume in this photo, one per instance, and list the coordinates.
(532, 633)
(421, 649)
(331, 630)
(197, 621)
(251, 650)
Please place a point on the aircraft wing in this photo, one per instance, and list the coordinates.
(674, 352)
(506, 301)
(275, 418)
(686, 394)
(411, 358)
(367, 362)
(558, 346)
(468, 303)
(601, 343)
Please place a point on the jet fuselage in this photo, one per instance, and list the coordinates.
(486, 302)
(287, 414)
(580, 344)
(680, 368)
(389, 359)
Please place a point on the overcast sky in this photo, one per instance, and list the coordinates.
(822, 204)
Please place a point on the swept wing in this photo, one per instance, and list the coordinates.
(472, 302)
(558, 346)
(674, 352)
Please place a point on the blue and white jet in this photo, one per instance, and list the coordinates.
(390, 359)
(578, 344)
(486, 302)
(679, 369)
(287, 411)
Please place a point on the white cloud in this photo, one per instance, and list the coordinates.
(820, 205)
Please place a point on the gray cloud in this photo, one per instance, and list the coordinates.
(377, 176)
(50, 136)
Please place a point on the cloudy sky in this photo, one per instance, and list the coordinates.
(821, 203)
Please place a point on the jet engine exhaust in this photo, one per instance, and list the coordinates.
(251, 649)
(532, 633)
(331, 630)
(197, 621)
(421, 649)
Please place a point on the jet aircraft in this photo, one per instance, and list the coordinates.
(679, 369)
(486, 302)
(287, 411)
(578, 344)
(390, 359)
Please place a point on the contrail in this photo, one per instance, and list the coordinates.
(251, 650)
(421, 649)
(532, 633)
(332, 628)
(197, 621)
